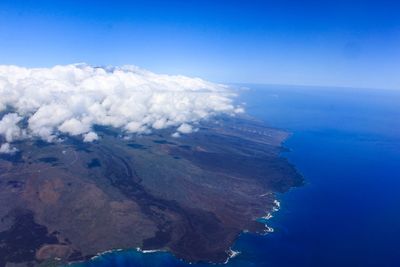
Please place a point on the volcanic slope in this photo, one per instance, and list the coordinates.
(191, 195)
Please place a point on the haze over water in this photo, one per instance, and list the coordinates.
(346, 143)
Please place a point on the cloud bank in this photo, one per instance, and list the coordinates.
(71, 99)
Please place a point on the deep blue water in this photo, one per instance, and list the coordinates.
(346, 143)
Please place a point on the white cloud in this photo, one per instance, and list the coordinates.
(176, 135)
(185, 128)
(72, 99)
(9, 128)
(7, 149)
(74, 127)
(90, 137)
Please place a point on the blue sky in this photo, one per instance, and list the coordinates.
(336, 43)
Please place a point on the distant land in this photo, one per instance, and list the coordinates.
(192, 196)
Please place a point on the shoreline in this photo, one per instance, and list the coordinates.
(230, 252)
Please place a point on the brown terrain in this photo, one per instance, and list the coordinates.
(192, 195)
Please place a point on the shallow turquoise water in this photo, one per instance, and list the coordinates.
(346, 143)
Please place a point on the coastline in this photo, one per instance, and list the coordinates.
(231, 253)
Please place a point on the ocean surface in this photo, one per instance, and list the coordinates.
(346, 144)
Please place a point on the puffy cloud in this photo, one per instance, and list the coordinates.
(74, 127)
(90, 137)
(72, 99)
(185, 128)
(9, 128)
(176, 135)
(7, 149)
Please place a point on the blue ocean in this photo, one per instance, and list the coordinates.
(346, 144)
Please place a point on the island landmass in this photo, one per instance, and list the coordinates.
(192, 195)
